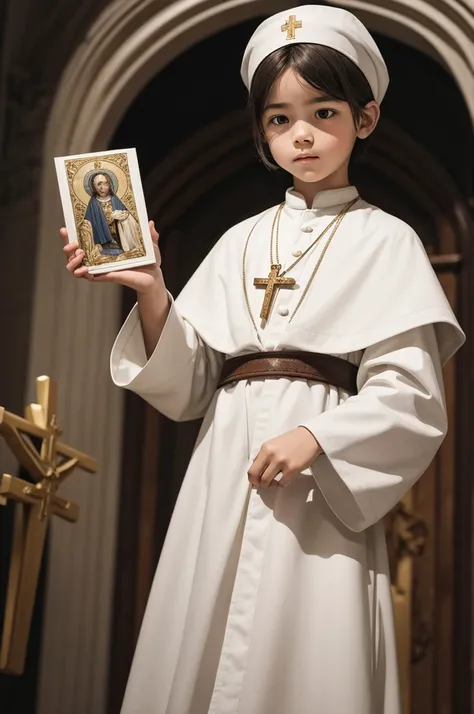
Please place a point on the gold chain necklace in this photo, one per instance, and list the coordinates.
(276, 280)
(276, 222)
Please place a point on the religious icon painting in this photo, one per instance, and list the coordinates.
(104, 209)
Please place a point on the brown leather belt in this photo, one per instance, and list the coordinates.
(294, 365)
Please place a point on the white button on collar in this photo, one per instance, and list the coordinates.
(283, 311)
(306, 229)
(297, 253)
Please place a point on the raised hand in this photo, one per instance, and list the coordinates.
(142, 279)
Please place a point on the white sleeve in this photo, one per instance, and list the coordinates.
(180, 377)
(379, 442)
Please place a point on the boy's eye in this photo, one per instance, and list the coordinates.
(325, 113)
(279, 119)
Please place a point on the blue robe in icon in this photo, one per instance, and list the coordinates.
(95, 215)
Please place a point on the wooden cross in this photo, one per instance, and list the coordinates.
(271, 284)
(37, 501)
(290, 26)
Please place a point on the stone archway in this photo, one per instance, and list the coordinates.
(74, 324)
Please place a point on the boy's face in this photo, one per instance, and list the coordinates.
(309, 135)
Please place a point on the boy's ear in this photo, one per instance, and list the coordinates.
(370, 119)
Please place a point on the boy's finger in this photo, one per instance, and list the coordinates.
(63, 234)
(75, 261)
(70, 248)
(154, 233)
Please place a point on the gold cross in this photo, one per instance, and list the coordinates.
(37, 501)
(271, 284)
(290, 26)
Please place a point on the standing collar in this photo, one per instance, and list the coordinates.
(323, 199)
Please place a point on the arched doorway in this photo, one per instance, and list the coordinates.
(103, 79)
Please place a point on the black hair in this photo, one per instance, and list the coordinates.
(323, 68)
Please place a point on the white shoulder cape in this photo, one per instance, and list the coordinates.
(374, 285)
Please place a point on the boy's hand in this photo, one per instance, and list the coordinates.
(142, 279)
(288, 454)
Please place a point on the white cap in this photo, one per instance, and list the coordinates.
(320, 25)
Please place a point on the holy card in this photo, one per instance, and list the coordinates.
(104, 209)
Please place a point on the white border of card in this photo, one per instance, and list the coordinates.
(137, 190)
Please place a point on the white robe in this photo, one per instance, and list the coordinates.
(277, 601)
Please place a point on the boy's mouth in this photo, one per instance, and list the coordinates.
(306, 158)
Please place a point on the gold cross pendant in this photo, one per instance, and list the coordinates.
(290, 26)
(271, 284)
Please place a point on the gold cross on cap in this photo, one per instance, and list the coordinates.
(290, 26)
